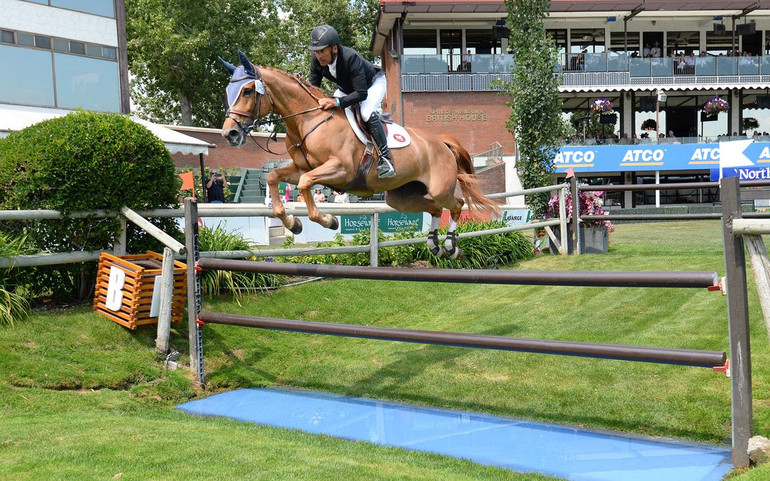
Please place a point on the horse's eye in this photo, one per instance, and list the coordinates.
(248, 92)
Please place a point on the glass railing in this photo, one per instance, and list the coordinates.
(605, 62)
(665, 66)
(480, 63)
(603, 142)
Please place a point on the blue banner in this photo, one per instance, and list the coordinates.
(624, 158)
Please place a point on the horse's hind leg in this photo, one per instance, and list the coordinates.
(411, 198)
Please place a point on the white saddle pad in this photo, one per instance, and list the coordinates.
(398, 137)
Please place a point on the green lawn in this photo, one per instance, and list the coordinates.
(84, 398)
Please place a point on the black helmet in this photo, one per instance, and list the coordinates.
(323, 36)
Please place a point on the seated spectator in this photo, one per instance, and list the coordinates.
(319, 196)
(342, 198)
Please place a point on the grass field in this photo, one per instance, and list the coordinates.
(84, 398)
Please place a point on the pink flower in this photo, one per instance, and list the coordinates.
(590, 203)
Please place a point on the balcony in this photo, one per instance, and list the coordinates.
(587, 72)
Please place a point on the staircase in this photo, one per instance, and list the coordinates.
(251, 187)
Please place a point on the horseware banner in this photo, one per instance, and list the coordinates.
(652, 157)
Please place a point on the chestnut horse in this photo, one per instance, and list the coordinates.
(325, 150)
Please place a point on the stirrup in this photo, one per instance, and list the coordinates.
(385, 169)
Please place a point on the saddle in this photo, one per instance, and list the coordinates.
(397, 137)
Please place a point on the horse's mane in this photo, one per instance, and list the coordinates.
(301, 80)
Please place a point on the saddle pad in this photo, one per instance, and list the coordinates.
(398, 137)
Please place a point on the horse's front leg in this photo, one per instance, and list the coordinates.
(289, 174)
(331, 172)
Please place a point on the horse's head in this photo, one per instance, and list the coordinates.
(244, 98)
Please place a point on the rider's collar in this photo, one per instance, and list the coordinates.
(239, 79)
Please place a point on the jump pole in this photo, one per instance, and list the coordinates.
(693, 279)
(683, 357)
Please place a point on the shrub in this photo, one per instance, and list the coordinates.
(482, 252)
(215, 282)
(81, 162)
(13, 303)
(489, 251)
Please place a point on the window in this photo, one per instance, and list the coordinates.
(88, 83)
(110, 52)
(6, 36)
(61, 45)
(104, 8)
(78, 47)
(30, 82)
(42, 41)
(419, 42)
(25, 39)
(93, 50)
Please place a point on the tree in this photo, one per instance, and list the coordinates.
(173, 47)
(535, 119)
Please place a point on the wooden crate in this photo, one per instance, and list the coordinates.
(130, 306)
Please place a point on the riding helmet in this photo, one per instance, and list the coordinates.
(323, 36)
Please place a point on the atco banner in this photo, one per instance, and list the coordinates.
(622, 158)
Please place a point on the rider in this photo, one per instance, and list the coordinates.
(358, 81)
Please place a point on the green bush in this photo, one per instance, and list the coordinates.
(81, 162)
(215, 282)
(483, 252)
(489, 251)
(14, 305)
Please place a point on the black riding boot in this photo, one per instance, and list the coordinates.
(385, 167)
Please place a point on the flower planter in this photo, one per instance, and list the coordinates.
(707, 117)
(593, 239)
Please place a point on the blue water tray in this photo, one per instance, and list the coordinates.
(518, 445)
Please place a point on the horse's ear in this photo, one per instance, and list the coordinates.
(230, 67)
(247, 66)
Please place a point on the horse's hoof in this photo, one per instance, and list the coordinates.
(438, 252)
(296, 228)
(457, 254)
(334, 224)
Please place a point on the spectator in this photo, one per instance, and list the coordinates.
(655, 51)
(319, 196)
(215, 187)
(342, 198)
(465, 66)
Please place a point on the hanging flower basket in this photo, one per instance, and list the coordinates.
(649, 124)
(601, 106)
(714, 106)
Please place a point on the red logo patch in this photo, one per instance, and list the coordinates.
(399, 138)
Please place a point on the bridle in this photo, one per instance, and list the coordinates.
(255, 115)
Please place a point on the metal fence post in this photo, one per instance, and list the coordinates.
(374, 241)
(193, 287)
(738, 323)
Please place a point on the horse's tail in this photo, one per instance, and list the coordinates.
(466, 176)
